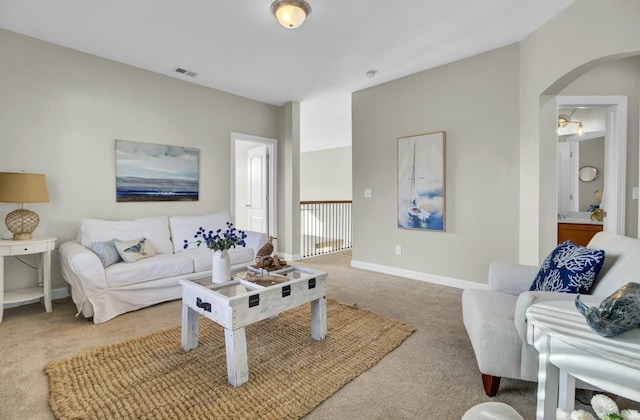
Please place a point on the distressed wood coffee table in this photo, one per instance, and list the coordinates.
(238, 303)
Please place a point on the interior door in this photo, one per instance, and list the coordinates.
(567, 173)
(258, 191)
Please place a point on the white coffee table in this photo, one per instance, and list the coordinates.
(570, 349)
(239, 303)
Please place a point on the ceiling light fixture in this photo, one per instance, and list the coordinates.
(290, 13)
(564, 121)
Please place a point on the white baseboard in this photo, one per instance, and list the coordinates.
(417, 275)
(290, 257)
(59, 293)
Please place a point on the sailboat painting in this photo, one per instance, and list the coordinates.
(421, 182)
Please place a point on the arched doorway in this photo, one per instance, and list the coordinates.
(626, 164)
(615, 151)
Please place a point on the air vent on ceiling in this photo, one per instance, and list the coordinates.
(185, 71)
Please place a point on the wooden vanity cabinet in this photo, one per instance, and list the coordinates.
(578, 233)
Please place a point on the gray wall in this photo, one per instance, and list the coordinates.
(476, 102)
(61, 110)
(591, 154)
(289, 182)
(326, 174)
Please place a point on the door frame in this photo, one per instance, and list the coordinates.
(615, 152)
(272, 223)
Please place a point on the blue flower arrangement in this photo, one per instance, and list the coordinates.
(221, 241)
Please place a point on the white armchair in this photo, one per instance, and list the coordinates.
(495, 318)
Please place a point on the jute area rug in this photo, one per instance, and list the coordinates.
(289, 372)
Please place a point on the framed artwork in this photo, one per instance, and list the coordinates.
(421, 182)
(156, 172)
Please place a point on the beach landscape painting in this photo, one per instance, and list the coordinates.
(421, 182)
(156, 172)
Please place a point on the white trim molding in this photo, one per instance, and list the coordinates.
(290, 257)
(417, 275)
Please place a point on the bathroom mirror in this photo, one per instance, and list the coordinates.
(588, 173)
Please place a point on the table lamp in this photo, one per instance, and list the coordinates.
(23, 188)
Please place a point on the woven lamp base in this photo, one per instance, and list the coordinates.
(22, 223)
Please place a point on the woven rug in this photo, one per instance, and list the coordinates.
(289, 372)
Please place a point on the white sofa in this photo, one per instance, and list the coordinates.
(496, 322)
(103, 293)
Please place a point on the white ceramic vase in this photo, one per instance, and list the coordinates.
(220, 267)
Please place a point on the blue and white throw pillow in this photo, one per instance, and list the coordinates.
(107, 252)
(134, 250)
(570, 268)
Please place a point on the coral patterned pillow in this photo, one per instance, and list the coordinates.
(570, 268)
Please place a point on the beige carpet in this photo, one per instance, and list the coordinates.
(289, 372)
(432, 375)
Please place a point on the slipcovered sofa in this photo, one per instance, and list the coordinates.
(102, 289)
(496, 320)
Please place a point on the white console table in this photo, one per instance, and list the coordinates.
(570, 349)
(39, 245)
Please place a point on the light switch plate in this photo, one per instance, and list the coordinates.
(368, 193)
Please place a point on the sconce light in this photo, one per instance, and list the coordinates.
(564, 121)
(22, 188)
(290, 13)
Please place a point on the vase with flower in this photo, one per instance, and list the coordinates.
(220, 242)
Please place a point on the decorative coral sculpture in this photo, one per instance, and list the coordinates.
(616, 314)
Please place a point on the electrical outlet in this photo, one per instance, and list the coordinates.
(635, 193)
(368, 193)
(398, 249)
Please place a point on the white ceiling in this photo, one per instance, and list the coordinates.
(238, 47)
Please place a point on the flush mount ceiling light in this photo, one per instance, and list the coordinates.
(290, 13)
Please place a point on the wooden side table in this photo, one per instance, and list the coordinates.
(570, 349)
(42, 245)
